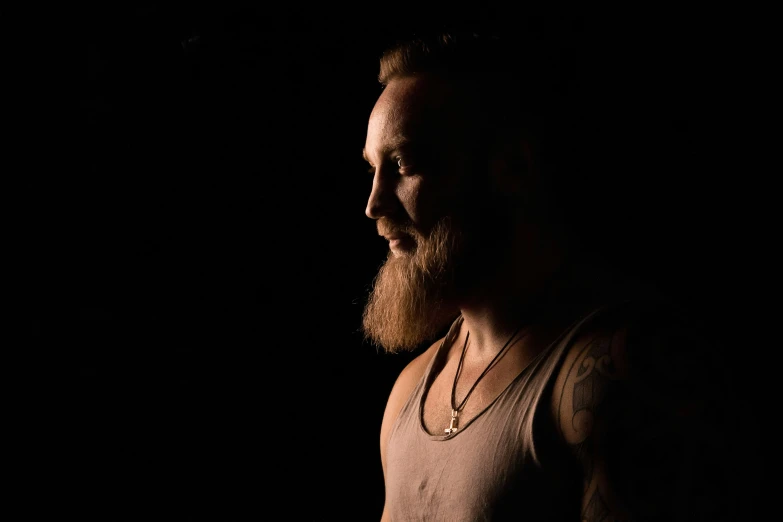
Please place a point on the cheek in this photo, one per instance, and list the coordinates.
(427, 201)
(410, 194)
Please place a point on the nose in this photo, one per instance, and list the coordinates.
(381, 201)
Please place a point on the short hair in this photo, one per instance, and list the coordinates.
(515, 79)
(444, 52)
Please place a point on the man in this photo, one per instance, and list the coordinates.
(550, 392)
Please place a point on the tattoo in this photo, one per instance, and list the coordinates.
(585, 389)
(589, 384)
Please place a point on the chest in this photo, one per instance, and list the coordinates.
(469, 393)
(484, 470)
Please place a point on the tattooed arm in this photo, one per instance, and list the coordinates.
(636, 403)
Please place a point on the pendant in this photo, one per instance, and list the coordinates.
(453, 425)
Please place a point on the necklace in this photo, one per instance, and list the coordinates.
(456, 408)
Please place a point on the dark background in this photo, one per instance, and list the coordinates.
(200, 256)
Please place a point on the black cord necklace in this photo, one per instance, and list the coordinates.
(455, 409)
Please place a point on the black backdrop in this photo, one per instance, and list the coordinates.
(201, 254)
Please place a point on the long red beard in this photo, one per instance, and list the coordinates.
(410, 299)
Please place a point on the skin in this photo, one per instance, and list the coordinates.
(408, 190)
(399, 148)
(416, 147)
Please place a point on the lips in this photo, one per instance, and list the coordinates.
(396, 236)
(400, 243)
(398, 239)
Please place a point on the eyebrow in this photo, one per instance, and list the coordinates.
(396, 145)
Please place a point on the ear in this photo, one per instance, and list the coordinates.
(512, 165)
(517, 179)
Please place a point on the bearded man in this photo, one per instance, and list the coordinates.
(552, 391)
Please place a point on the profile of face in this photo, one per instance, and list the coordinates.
(432, 203)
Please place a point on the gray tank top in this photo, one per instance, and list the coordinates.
(506, 463)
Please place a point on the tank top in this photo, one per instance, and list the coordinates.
(506, 463)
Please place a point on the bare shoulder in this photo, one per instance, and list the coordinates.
(634, 402)
(648, 348)
(596, 358)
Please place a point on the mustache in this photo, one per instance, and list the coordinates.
(387, 227)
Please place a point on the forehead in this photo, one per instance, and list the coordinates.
(413, 109)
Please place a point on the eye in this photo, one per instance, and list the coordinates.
(403, 166)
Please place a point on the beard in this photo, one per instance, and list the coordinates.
(411, 300)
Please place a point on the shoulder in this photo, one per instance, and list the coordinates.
(648, 347)
(635, 342)
(634, 401)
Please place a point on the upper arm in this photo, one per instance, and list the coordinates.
(593, 370)
(635, 403)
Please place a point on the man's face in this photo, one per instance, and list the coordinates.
(413, 147)
(430, 201)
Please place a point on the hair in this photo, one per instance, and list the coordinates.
(519, 89)
(506, 77)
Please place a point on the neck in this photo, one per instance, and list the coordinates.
(520, 295)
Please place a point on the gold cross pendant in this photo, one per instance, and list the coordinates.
(453, 425)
